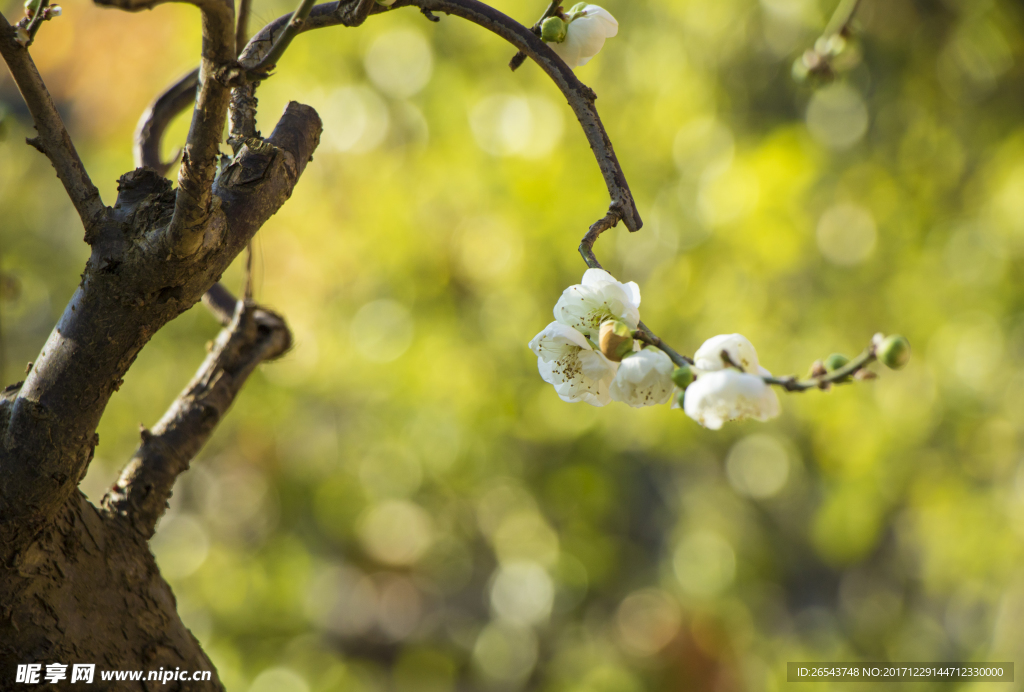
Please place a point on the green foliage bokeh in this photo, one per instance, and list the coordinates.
(400, 503)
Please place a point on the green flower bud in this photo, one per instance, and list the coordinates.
(553, 30)
(894, 351)
(615, 340)
(386, 3)
(836, 361)
(681, 398)
(682, 376)
(31, 7)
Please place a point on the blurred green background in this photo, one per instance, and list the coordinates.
(401, 503)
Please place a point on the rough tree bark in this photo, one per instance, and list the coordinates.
(78, 583)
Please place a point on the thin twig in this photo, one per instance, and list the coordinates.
(39, 16)
(838, 376)
(643, 332)
(645, 335)
(292, 29)
(520, 57)
(53, 139)
(842, 18)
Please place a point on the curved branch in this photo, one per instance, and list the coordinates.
(53, 139)
(156, 118)
(579, 96)
(140, 495)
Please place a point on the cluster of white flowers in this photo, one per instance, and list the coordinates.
(589, 354)
(580, 33)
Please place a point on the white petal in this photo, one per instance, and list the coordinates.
(568, 50)
(708, 357)
(726, 395)
(596, 366)
(552, 341)
(643, 379)
(604, 18)
(566, 360)
(585, 35)
(595, 278)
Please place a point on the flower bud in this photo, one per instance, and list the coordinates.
(894, 351)
(386, 3)
(552, 30)
(615, 340)
(818, 369)
(682, 376)
(21, 36)
(836, 361)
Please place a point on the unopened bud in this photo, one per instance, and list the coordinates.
(894, 351)
(836, 361)
(615, 340)
(31, 7)
(21, 36)
(553, 30)
(386, 3)
(818, 369)
(682, 376)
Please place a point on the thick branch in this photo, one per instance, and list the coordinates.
(158, 116)
(124, 298)
(53, 139)
(140, 495)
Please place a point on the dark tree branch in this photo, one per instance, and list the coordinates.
(53, 139)
(156, 118)
(141, 493)
(127, 293)
(520, 57)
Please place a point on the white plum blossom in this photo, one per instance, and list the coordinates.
(709, 356)
(598, 298)
(721, 393)
(643, 379)
(567, 360)
(726, 395)
(589, 26)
